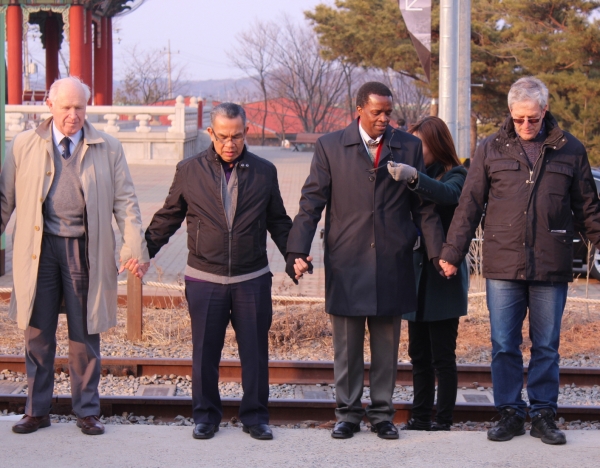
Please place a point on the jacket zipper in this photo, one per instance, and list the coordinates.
(229, 225)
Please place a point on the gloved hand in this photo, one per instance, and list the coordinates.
(290, 262)
(401, 172)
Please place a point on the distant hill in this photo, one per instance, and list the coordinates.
(242, 89)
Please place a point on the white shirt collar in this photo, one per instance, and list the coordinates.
(365, 136)
(57, 135)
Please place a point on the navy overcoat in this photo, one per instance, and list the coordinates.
(371, 223)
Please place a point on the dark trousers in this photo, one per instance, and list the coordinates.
(62, 276)
(248, 306)
(349, 366)
(432, 351)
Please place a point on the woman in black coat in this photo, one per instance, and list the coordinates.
(433, 328)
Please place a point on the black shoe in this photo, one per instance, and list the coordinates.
(510, 425)
(385, 430)
(440, 427)
(259, 431)
(205, 431)
(417, 425)
(344, 430)
(543, 427)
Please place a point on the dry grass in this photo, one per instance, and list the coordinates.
(304, 332)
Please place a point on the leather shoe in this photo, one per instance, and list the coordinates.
(90, 425)
(30, 424)
(205, 431)
(344, 430)
(259, 431)
(385, 430)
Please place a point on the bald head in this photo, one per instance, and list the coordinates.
(67, 101)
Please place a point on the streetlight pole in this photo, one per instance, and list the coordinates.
(449, 46)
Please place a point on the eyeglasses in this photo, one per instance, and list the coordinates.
(234, 140)
(522, 121)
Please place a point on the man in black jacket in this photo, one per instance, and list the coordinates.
(230, 198)
(371, 225)
(536, 181)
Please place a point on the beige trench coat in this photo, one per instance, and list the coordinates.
(25, 180)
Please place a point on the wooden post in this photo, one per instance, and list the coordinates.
(134, 307)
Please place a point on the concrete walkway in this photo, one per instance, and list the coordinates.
(63, 445)
(152, 185)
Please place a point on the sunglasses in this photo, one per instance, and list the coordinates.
(522, 121)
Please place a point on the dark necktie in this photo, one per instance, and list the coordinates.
(66, 146)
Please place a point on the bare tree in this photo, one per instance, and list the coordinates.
(146, 79)
(310, 85)
(411, 98)
(254, 56)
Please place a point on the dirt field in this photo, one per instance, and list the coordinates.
(303, 332)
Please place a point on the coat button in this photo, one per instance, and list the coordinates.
(41, 200)
(34, 256)
(371, 178)
(37, 228)
(48, 173)
(372, 245)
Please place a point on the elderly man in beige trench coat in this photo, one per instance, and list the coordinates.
(65, 180)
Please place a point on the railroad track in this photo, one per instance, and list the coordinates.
(291, 372)
(283, 411)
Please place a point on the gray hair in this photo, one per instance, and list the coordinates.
(70, 79)
(528, 88)
(228, 110)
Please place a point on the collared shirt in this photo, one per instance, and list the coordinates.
(57, 136)
(367, 140)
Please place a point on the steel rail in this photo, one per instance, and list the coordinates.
(282, 411)
(291, 372)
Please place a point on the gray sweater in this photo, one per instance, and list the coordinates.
(64, 206)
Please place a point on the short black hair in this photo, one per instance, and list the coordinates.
(371, 87)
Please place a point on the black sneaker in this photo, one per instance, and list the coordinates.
(435, 427)
(417, 425)
(510, 425)
(543, 427)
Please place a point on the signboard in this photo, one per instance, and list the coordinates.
(417, 16)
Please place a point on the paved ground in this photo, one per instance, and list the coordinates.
(158, 446)
(152, 186)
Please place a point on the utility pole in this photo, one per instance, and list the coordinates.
(449, 65)
(455, 71)
(170, 84)
(463, 146)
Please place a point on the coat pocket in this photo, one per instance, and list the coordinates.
(504, 180)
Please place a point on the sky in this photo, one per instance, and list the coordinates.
(201, 31)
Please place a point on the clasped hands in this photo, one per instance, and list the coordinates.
(448, 270)
(297, 264)
(135, 267)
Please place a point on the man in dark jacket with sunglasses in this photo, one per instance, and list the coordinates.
(536, 181)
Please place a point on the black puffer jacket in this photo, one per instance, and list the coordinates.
(195, 195)
(530, 214)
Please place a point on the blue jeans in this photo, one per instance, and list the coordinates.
(508, 302)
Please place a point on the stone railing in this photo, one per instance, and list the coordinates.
(141, 129)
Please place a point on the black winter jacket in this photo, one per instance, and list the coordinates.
(195, 195)
(530, 214)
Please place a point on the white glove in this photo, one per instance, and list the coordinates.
(402, 172)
